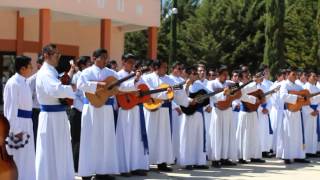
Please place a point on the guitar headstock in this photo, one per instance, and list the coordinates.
(277, 88)
(178, 86)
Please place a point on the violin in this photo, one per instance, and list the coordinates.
(8, 169)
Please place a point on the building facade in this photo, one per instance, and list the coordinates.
(77, 27)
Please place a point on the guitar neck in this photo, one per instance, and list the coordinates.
(240, 87)
(314, 94)
(205, 96)
(175, 87)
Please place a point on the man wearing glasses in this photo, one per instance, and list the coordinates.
(53, 152)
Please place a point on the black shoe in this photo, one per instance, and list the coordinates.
(266, 155)
(301, 161)
(287, 161)
(227, 162)
(86, 178)
(189, 167)
(127, 174)
(309, 155)
(216, 164)
(104, 177)
(258, 160)
(139, 172)
(164, 167)
(241, 161)
(201, 167)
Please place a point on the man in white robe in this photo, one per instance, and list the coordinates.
(292, 134)
(192, 134)
(159, 122)
(98, 148)
(248, 134)
(132, 140)
(208, 109)
(53, 154)
(276, 113)
(76, 110)
(17, 98)
(35, 103)
(220, 125)
(176, 111)
(311, 119)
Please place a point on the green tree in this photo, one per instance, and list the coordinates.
(274, 34)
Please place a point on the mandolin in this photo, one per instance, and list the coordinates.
(153, 104)
(101, 95)
(8, 169)
(234, 94)
(261, 96)
(301, 101)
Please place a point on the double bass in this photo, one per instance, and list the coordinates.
(8, 169)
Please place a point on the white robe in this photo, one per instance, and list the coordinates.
(234, 145)
(132, 154)
(310, 122)
(248, 135)
(158, 121)
(176, 121)
(207, 118)
(192, 149)
(17, 96)
(276, 116)
(98, 148)
(266, 134)
(53, 154)
(291, 133)
(220, 127)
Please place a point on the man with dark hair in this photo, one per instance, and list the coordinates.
(17, 98)
(248, 134)
(221, 123)
(76, 110)
(35, 103)
(175, 75)
(311, 116)
(54, 152)
(276, 112)
(292, 135)
(113, 65)
(159, 122)
(98, 148)
(132, 140)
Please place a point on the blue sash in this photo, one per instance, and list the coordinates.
(144, 136)
(302, 125)
(237, 109)
(315, 107)
(264, 106)
(167, 104)
(200, 110)
(53, 108)
(24, 113)
(244, 108)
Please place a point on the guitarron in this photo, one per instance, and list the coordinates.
(8, 169)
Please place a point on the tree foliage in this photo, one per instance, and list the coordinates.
(234, 32)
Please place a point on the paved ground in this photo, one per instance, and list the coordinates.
(273, 169)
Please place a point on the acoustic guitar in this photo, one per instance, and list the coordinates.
(153, 104)
(129, 100)
(234, 94)
(261, 96)
(301, 101)
(8, 169)
(101, 95)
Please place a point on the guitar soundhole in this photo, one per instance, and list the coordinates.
(127, 98)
